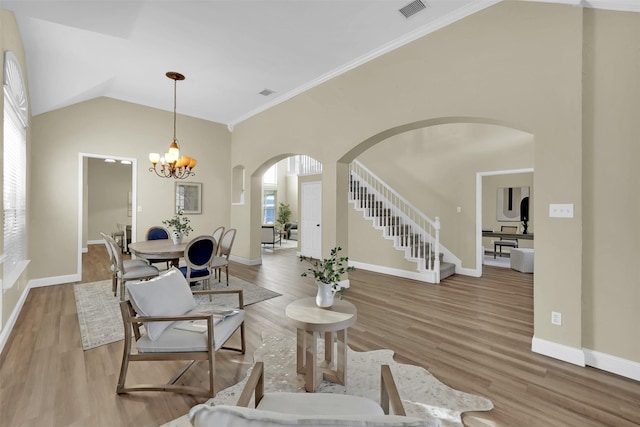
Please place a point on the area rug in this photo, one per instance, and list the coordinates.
(422, 394)
(99, 311)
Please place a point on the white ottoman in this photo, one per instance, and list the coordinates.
(522, 260)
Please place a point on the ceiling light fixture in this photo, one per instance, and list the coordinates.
(172, 165)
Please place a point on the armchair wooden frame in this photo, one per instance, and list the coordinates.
(389, 396)
(132, 323)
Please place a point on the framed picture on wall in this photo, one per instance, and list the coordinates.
(189, 197)
(513, 204)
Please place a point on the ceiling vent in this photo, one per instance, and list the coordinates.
(413, 8)
(266, 92)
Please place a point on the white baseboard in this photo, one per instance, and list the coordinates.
(245, 261)
(613, 364)
(586, 357)
(422, 277)
(11, 321)
(558, 351)
(57, 280)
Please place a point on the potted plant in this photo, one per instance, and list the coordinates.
(180, 225)
(328, 274)
(284, 214)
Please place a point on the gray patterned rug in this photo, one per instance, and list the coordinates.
(99, 311)
(422, 394)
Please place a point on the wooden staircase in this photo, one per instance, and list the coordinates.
(410, 234)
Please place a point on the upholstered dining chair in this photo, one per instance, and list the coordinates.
(128, 263)
(198, 255)
(157, 232)
(511, 243)
(175, 330)
(126, 273)
(217, 234)
(222, 260)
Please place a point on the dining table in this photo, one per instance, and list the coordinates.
(161, 249)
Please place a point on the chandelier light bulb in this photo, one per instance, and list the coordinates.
(173, 165)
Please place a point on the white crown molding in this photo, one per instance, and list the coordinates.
(435, 25)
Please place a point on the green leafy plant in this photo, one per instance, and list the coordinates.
(284, 214)
(329, 270)
(180, 223)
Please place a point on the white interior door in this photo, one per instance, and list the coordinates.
(311, 219)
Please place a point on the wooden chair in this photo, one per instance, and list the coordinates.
(198, 255)
(511, 243)
(166, 307)
(128, 263)
(217, 234)
(312, 409)
(222, 260)
(126, 272)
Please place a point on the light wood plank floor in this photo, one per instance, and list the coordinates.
(474, 334)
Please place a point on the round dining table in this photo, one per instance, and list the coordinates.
(162, 249)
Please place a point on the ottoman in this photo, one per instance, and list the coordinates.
(522, 260)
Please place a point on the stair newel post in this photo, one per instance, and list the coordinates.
(436, 266)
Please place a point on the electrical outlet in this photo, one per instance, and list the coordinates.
(556, 318)
(558, 210)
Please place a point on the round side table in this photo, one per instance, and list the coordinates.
(310, 321)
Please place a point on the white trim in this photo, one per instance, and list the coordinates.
(134, 199)
(245, 261)
(55, 280)
(426, 277)
(11, 321)
(558, 351)
(95, 242)
(619, 5)
(613, 364)
(14, 275)
(431, 27)
(479, 176)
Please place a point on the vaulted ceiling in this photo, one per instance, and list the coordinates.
(229, 50)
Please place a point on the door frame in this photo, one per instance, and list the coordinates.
(134, 197)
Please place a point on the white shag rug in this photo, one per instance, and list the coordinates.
(421, 393)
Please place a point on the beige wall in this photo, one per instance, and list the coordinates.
(611, 295)
(108, 189)
(105, 126)
(515, 63)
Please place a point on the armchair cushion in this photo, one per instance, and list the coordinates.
(237, 416)
(165, 295)
(175, 340)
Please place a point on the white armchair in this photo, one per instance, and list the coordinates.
(308, 409)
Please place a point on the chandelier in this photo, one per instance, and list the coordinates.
(172, 164)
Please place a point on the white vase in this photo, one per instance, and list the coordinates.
(176, 236)
(324, 298)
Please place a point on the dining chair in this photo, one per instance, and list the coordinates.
(217, 234)
(511, 243)
(175, 329)
(158, 233)
(222, 260)
(129, 272)
(128, 263)
(198, 256)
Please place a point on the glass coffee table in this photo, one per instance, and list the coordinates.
(310, 321)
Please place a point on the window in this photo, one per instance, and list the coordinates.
(269, 207)
(14, 171)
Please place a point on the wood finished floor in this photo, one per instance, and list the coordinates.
(474, 334)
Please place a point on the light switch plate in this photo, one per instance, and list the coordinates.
(559, 210)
